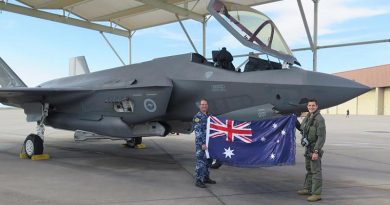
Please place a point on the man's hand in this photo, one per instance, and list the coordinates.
(204, 147)
(314, 156)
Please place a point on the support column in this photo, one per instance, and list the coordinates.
(204, 24)
(131, 33)
(379, 101)
(357, 105)
(130, 49)
(315, 34)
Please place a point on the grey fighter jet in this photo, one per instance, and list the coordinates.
(160, 96)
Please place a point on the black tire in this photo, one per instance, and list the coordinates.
(33, 145)
(216, 164)
(132, 142)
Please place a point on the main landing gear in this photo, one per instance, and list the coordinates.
(135, 142)
(33, 144)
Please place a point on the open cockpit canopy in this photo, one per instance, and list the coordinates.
(252, 28)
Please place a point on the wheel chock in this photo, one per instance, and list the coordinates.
(23, 156)
(40, 157)
(140, 146)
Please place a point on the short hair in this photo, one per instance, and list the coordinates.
(312, 100)
(203, 99)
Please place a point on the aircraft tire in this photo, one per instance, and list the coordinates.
(132, 142)
(33, 145)
(216, 164)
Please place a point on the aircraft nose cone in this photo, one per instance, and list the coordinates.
(334, 90)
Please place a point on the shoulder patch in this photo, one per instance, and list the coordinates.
(196, 120)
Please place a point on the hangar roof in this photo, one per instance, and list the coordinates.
(374, 77)
(134, 14)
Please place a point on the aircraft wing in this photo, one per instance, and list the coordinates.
(17, 96)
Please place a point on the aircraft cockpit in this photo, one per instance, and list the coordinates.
(254, 30)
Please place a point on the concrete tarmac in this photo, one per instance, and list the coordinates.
(356, 169)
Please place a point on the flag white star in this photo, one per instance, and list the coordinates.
(262, 139)
(272, 156)
(277, 141)
(283, 132)
(228, 152)
(274, 125)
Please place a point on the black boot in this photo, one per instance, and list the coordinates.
(200, 184)
(209, 181)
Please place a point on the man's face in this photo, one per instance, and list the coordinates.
(203, 106)
(312, 107)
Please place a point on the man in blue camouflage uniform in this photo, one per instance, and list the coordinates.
(202, 164)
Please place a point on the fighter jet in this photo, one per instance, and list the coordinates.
(160, 96)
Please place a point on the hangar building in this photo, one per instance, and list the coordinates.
(374, 102)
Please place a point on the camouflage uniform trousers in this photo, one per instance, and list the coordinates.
(202, 165)
(313, 180)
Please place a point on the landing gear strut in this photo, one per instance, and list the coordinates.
(33, 144)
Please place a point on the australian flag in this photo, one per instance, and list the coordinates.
(252, 144)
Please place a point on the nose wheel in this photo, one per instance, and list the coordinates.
(135, 142)
(33, 145)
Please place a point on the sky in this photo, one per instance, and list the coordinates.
(39, 50)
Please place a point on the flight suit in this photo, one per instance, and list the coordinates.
(202, 164)
(314, 129)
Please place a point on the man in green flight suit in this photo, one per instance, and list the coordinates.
(314, 134)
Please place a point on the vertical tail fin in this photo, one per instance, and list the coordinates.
(78, 66)
(8, 77)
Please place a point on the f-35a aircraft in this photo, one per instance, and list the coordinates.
(160, 96)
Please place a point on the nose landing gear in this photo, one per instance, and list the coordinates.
(33, 144)
(135, 142)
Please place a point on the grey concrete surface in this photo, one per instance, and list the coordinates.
(356, 169)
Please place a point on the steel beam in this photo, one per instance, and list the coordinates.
(324, 47)
(173, 9)
(113, 49)
(315, 34)
(344, 45)
(53, 4)
(188, 36)
(130, 12)
(60, 19)
(302, 11)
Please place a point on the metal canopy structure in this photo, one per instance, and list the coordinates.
(130, 15)
(124, 17)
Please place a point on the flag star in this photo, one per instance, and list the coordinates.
(274, 125)
(277, 141)
(283, 132)
(262, 139)
(228, 152)
(272, 156)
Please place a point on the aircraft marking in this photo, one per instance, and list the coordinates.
(150, 105)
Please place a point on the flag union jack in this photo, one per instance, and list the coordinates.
(240, 131)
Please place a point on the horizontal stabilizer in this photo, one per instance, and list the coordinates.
(8, 78)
